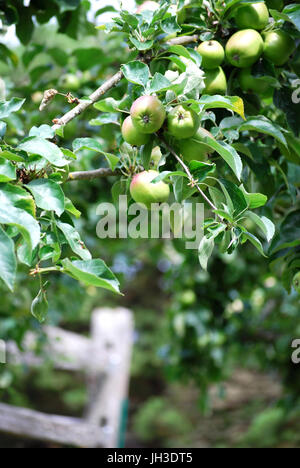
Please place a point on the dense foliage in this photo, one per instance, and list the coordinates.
(241, 307)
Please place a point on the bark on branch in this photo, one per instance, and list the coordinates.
(89, 175)
(94, 97)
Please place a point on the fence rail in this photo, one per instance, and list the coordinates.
(104, 358)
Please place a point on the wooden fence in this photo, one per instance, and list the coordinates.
(104, 358)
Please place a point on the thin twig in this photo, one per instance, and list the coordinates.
(190, 176)
(89, 175)
(84, 104)
(183, 40)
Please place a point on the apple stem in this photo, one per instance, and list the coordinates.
(190, 176)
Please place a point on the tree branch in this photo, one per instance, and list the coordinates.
(94, 97)
(109, 84)
(89, 175)
(183, 40)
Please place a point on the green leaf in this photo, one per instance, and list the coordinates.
(145, 154)
(292, 12)
(105, 119)
(19, 197)
(236, 196)
(44, 131)
(12, 215)
(141, 45)
(233, 103)
(48, 195)
(94, 145)
(254, 200)
(136, 72)
(44, 148)
(8, 262)
(288, 235)
(74, 240)
(39, 306)
(256, 242)
(228, 153)
(170, 25)
(159, 83)
(92, 273)
(7, 107)
(206, 248)
(180, 50)
(263, 125)
(71, 208)
(265, 224)
(201, 170)
(107, 105)
(67, 5)
(7, 170)
(11, 156)
(8, 56)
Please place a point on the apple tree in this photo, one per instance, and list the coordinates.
(194, 101)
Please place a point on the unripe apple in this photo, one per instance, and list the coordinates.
(215, 82)
(133, 136)
(182, 122)
(195, 149)
(253, 15)
(147, 6)
(278, 47)
(296, 282)
(156, 156)
(144, 192)
(212, 54)
(187, 298)
(148, 114)
(69, 82)
(251, 84)
(244, 48)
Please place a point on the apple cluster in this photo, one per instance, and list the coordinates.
(244, 48)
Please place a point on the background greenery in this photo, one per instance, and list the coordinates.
(212, 359)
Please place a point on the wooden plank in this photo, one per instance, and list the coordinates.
(24, 422)
(112, 336)
(65, 349)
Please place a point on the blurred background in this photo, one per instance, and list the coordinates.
(212, 354)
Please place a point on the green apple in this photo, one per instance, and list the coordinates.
(215, 82)
(156, 156)
(212, 54)
(69, 82)
(250, 84)
(244, 48)
(147, 6)
(275, 4)
(187, 298)
(194, 149)
(144, 192)
(182, 122)
(148, 114)
(131, 135)
(278, 47)
(252, 15)
(296, 282)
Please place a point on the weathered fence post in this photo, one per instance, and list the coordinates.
(105, 359)
(112, 339)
